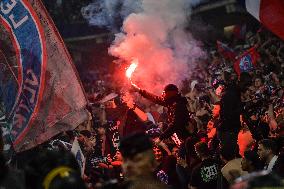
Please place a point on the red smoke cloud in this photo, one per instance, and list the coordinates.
(156, 37)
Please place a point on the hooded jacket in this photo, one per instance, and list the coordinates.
(178, 115)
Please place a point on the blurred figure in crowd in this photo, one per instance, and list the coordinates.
(267, 152)
(230, 110)
(51, 169)
(251, 161)
(139, 163)
(204, 175)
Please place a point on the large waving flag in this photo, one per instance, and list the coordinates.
(269, 12)
(40, 92)
(247, 61)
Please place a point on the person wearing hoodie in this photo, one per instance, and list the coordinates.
(177, 115)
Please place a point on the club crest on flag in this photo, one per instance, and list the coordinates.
(22, 77)
(246, 63)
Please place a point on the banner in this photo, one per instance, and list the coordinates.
(39, 87)
(269, 12)
(247, 61)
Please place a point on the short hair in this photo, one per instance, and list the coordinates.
(269, 144)
(171, 87)
(259, 77)
(202, 148)
(218, 103)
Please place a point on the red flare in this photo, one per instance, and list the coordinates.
(131, 68)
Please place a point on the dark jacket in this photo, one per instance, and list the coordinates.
(230, 109)
(178, 115)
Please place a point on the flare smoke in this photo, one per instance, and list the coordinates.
(154, 33)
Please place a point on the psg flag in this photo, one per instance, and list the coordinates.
(269, 12)
(247, 61)
(40, 92)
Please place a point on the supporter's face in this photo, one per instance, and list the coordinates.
(216, 111)
(160, 125)
(262, 152)
(93, 141)
(101, 131)
(175, 151)
(168, 94)
(210, 125)
(110, 104)
(87, 144)
(257, 82)
(190, 127)
(158, 154)
(211, 131)
(139, 165)
(164, 94)
(117, 156)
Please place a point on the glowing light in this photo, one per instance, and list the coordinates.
(131, 68)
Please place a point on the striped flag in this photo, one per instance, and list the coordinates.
(269, 12)
(247, 61)
(39, 87)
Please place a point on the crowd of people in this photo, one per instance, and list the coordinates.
(221, 129)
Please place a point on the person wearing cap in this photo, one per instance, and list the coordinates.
(178, 115)
(139, 163)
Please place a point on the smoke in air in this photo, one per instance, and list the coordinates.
(154, 33)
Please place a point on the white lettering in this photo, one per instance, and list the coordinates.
(33, 93)
(19, 23)
(8, 6)
(31, 82)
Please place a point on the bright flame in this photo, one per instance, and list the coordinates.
(131, 68)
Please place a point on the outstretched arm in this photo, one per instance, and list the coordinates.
(154, 98)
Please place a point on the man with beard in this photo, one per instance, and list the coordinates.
(267, 151)
(178, 115)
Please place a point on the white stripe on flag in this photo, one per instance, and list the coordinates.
(253, 7)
